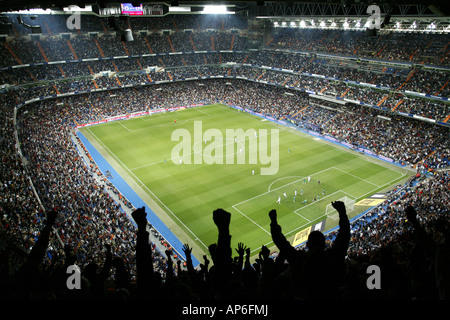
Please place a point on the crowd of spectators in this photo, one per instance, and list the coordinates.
(392, 46)
(54, 212)
(91, 218)
(308, 75)
(426, 81)
(411, 249)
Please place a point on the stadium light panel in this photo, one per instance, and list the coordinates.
(76, 8)
(179, 9)
(216, 9)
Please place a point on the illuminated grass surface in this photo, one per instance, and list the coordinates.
(189, 193)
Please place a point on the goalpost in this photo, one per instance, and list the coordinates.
(349, 206)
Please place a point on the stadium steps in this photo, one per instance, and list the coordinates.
(212, 43)
(92, 73)
(442, 88)
(99, 48)
(412, 55)
(382, 100)
(90, 70)
(302, 109)
(381, 50)
(47, 28)
(174, 24)
(140, 67)
(232, 42)
(62, 71)
(170, 43)
(12, 52)
(72, 49)
(104, 27)
(445, 47)
(423, 160)
(345, 92)
(125, 48)
(162, 62)
(139, 64)
(192, 42)
(115, 66)
(398, 103)
(42, 51)
(411, 73)
(31, 75)
(245, 59)
(446, 119)
(148, 45)
(16, 33)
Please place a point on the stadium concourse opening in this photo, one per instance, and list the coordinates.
(93, 207)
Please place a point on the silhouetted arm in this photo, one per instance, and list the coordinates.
(38, 251)
(422, 237)
(223, 260)
(188, 253)
(169, 270)
(241, 251)
(104, 273)
(340, 244)
(144, 262)
(278, 237)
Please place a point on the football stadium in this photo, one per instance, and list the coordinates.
(241, 151)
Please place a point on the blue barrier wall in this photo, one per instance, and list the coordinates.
(133, 197)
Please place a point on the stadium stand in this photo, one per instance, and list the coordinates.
(48, 186)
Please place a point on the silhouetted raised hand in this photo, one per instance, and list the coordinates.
(240, 259)
(222, 219)
(140, 217)
(339, 206)
(188, 254)
(223, 262)
(38, 251)
(144, 261)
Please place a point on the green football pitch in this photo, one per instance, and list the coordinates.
(185, 195)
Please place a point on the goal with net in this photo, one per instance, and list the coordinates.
(349, 206)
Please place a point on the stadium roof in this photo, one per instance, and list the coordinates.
(317, 7)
